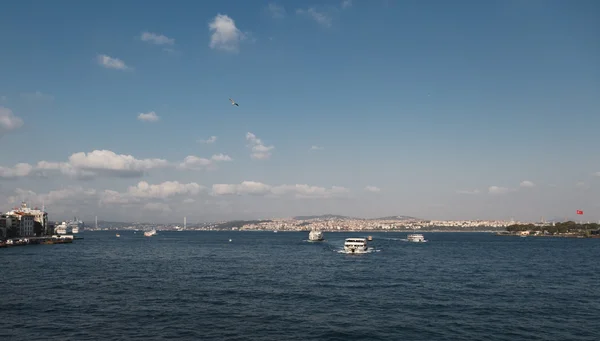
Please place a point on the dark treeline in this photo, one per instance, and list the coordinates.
(564, 227)
(239, 223)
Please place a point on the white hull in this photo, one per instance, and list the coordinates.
(63, 228)
(356, 249)
(315, 236)
(150, 233)
(416, 238)
(355, 245)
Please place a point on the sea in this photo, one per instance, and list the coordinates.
(216, 285)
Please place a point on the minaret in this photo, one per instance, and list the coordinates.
(184, 222)
(96, 222)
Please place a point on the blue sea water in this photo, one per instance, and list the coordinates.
(267, 286)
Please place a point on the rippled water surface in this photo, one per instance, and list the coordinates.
(267, 286)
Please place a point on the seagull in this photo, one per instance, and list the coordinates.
(233, 102)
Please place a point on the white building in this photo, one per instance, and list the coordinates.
(37, 215)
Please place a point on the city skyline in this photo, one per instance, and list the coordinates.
(360, 108)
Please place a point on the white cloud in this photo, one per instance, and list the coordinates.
(259, 150)
(225, 35)
(192, 162)
(346, 3)
(64, 168)
(373, 189)
(144, 193)
(110, 197)
(320, 17)
(316, 148)
(85, 166)
(106, 162)
(19, 170)
(164, 190)
(69, 195)
(157, 39)
(111, 63)
(526, 183)
(221, 157)
(246, 187)
(475, 191)
(210, 140)
(148, 117)
(37, 96)
(157, 207)
(8, 121)
(499, 190)
(261, 189)
(276, 11)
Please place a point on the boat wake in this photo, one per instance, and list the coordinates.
(400, 239)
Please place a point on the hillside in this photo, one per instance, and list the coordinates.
(396, 217)
(322, 217)
(335, 216)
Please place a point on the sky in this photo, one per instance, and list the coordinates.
(432, 109)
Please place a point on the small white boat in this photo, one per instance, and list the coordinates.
(150, 233)
(315, 236)
(118, 235)
(416, 238)
(355, 245)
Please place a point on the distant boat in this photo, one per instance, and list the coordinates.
(315, 236)
(416, 238)
(150, 233)
(369, 238)
(118, 235)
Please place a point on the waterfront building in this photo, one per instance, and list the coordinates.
(39, 216)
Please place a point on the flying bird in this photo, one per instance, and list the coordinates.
(233, 103)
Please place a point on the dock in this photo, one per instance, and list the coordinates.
(44, 240)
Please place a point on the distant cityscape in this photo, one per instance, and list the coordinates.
(24, 221)
(330, 223)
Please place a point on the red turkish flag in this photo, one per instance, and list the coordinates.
(579, 212)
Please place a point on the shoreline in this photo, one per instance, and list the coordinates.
(327, 231)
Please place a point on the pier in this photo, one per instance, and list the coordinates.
(44, 240)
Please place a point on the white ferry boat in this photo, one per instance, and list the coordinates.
(355, 245)
(150, 233)
(315, 236)
(416, 238)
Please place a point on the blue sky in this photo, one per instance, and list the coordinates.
(415, 108)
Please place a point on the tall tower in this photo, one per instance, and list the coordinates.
(184, 222)
(96, 222)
